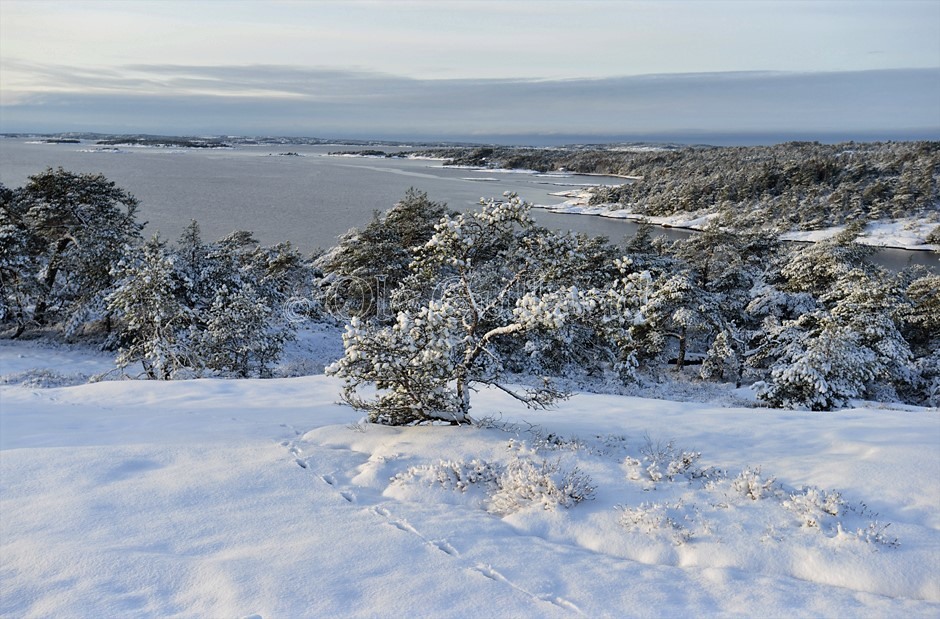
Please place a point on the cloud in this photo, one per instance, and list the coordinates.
(278, 99)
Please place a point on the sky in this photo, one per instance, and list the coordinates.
(472, 70)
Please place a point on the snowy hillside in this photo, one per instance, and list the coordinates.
(265, 498)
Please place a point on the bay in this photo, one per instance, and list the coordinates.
(309, 198)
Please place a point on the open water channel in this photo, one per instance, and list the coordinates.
(311, 198)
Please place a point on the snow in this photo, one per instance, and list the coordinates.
(238, 498)
(905, 233)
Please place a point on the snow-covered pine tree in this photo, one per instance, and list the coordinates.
(241, 292)
(218, 307)
(871, 306)
(679, 309)
(83, 222)
(921, 321)
(476, 288)
(816, 267)
(18, 277)
(157, 326)
(723, 360)
(241, 333)
(850, 347)
(383, 249)
(821, 370)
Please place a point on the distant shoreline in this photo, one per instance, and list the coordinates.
(883, 237)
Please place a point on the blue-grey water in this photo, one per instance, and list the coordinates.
(310, 199)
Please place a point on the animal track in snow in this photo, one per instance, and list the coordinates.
(444, 546)
(338, 480)
(492, 574)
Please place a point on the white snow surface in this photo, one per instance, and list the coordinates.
(266, 498)
(905, 233)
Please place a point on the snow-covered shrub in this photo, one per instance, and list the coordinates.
(44, 378)
(453, 475)
(510, 487)
(876, 533)
(541, 442)
(752, 485)
(811, 504)
(524, 483)
(674, 520)
(934, 236)
(772, 511)
(663, 461)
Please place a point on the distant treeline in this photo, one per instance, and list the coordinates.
(166, 142)
(797, 185)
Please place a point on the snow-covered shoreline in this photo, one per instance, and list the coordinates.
(906, 234)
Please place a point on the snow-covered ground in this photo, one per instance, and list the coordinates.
(266, 498)
(906, 233)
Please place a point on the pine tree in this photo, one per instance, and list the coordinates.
(241, 291)
(849, 347)
(820, 370)
(18, 276)
(817, 266)
(368, 263)
(157, 325)
(477, 288)
(83, 222)
(921, 324)
(217, 307)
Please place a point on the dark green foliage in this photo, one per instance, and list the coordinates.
(797, 185)
(67, 231)
(383, 249)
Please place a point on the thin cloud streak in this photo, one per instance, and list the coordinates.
(277, 99)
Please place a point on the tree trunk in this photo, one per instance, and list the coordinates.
(39, 315)
(680, 358)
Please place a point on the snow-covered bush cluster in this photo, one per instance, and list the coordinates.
(660, 461)
(507, 488)
(198, 307)
(72, 259)
(491, 297)
(659, 491)
(697, 504)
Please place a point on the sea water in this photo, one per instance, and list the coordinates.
(309, 198)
